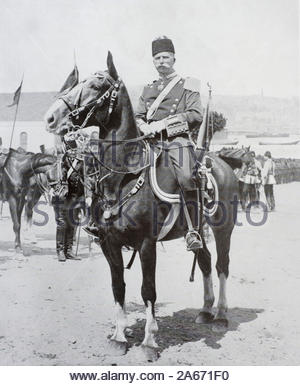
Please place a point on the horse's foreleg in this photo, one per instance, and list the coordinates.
(148, 261)
(114, 257)
(204, 262)
(32, 198)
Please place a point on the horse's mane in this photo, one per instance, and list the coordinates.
(233, 156)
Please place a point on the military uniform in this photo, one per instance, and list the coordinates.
(167, 103)
(69, 197)
(268, 180)
(182, 102)
(67, 202)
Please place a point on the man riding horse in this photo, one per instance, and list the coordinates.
(174, 102)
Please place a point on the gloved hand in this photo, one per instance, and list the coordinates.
(153, 127)
(146, 129)
(158, 126)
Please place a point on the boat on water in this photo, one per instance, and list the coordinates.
(225, 143)
(279, 143)
(267, 135)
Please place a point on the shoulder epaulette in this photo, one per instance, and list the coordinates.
(192, 84)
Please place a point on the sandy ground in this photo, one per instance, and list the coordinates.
(61, 314)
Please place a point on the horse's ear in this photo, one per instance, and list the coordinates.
(111, 67)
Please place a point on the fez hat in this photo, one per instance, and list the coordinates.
(162, 44)
(268, 154)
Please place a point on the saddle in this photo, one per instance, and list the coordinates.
(210, 193)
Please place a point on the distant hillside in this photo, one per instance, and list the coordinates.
(243, 113)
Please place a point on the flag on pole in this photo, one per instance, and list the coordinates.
(71, 81)
(16, 96)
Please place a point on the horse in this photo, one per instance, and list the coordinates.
(25, 176)
(102, 100)
(238, 159)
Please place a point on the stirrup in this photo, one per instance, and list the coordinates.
(193, 241)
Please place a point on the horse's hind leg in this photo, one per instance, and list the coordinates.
(222, 238)
(204, 262)
(15, 213)
(114, 257)
(148, 262)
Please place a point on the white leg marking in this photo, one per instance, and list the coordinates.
(209, 297)
(150, 328)
(121, 324)
(222, 303)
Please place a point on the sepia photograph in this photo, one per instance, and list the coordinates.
(149, 186)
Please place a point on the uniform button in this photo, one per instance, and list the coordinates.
(174, 105)
(176, 99)
(172, 111)
(180, 82)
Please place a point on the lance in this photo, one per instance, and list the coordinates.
(16, 101)
(202, 139)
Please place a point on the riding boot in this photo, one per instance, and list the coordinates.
(60, 244)
(191, 210)
(69, 245)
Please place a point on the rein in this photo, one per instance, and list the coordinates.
(136, 171)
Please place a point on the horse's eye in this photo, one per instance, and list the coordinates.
(94, 87)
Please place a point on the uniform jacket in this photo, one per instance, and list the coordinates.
(268, 172)
(73, 174)
(183, 99)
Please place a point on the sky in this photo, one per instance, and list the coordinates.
(242, 47)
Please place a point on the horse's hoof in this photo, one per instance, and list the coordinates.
(220, 325)
(27, 251)
(151, 353)
(116, 348)
(204, 317)
(18, 250)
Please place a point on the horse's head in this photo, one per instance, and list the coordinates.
(89, 103)
(248, 156)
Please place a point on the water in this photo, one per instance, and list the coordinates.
(277, 151)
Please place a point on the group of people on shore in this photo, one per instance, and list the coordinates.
(252, 176)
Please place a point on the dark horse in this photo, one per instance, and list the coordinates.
(24, 178)
(103, 100)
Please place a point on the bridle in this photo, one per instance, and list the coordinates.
(111, 93)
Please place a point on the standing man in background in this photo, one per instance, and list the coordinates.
(268, 180)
